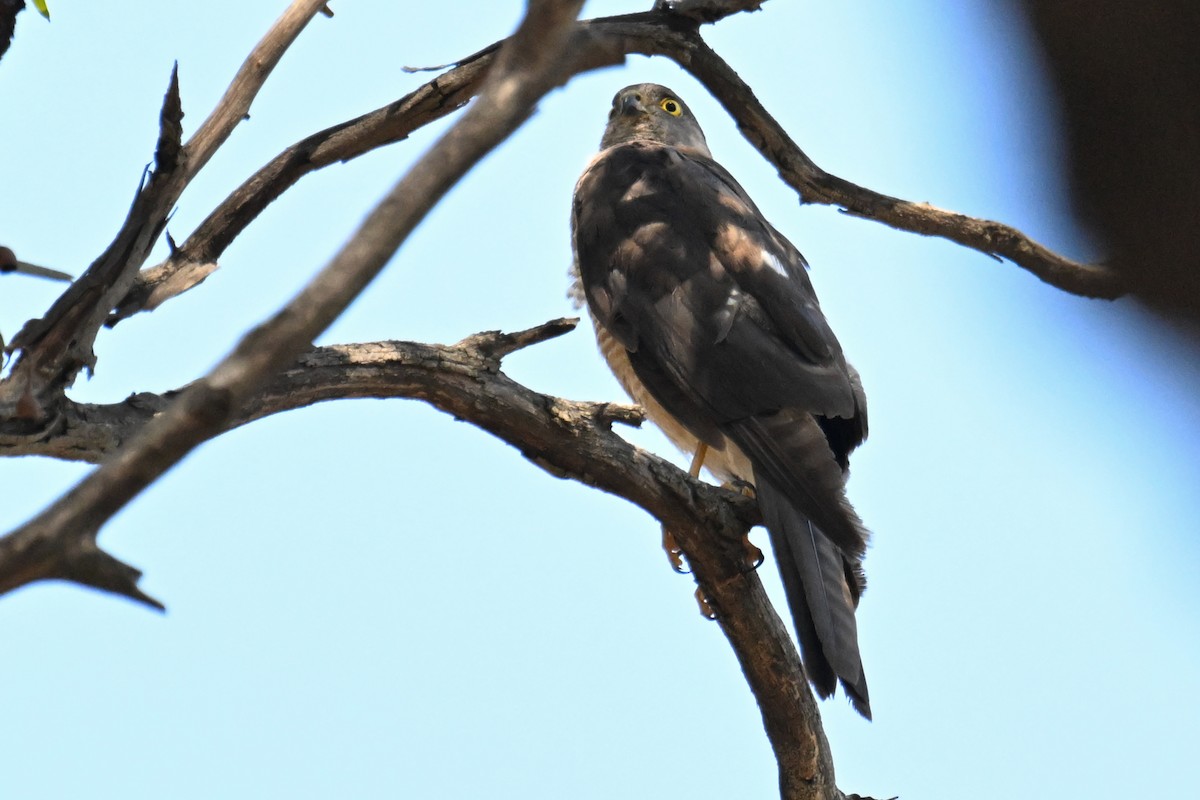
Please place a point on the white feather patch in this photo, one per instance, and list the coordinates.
(773, 263)
(640, 188)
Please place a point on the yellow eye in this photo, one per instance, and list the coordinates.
(670, 106)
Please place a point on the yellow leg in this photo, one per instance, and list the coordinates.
(753, 554)
(674, 552)
(698, 460)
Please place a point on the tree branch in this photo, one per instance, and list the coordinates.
(706, 11)
(234, 105)
(10, 263)
(815, 185)
(93, 431)
(197, 257)
(568, 439)
(53, 349)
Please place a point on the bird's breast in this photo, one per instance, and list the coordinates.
(726, 462)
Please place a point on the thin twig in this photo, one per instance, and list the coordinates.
(10, 263)
(197, 257)
(234, 105)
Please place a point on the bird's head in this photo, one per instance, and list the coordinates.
(649, 112)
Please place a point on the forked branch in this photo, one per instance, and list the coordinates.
(52, 350)
(567, 439)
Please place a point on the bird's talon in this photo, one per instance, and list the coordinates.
(674, 551)
(744, 488)
(753, 554)
(706, 609)
(698, 460)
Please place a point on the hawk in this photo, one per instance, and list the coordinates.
(707, 317)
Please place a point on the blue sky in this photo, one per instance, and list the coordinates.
(368, 599)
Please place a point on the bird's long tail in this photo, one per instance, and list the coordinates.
(823, 587)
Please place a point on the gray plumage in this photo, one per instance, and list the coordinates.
(707, 316)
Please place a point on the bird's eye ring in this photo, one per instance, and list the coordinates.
(670, 106)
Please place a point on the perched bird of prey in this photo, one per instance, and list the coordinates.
(707, 317)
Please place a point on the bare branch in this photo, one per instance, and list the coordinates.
(497, 345)
(91, 432)
(10, 263)
(815, 185)
(707, 11)
(568, 439)
(53, 349)
(197, 257)
(41, 554)
(234, 105)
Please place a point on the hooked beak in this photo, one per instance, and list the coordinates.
(630, 106)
